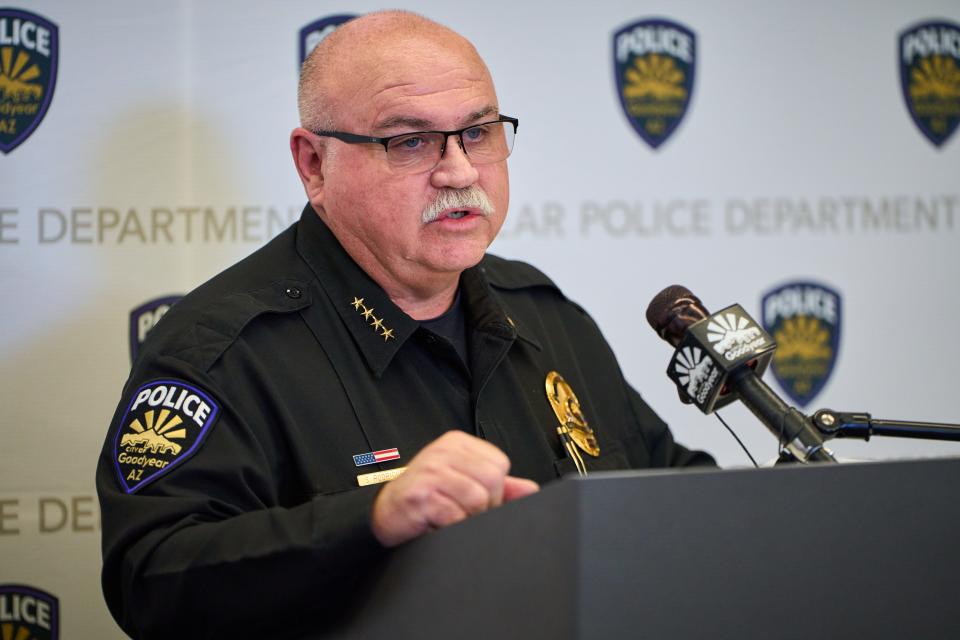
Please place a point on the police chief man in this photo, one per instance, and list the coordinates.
(373, 343)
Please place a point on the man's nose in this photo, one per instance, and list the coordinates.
(454, 169)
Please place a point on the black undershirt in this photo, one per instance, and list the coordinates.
(444, 339)
(451, 329)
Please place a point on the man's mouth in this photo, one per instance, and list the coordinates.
(457, 204)
(457, 214)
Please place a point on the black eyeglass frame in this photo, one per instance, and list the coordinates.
(354, 138)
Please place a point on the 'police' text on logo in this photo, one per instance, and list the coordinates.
(312, 34)
(144, 318)
(804, 319)
(654, 63)
(28, 73)
(28, 612)
(164, 424)
(930, 77)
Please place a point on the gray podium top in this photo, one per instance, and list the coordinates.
(865, 550)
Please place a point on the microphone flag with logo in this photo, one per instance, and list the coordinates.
(709, 347)
(720, 358)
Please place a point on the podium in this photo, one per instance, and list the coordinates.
(865, 550)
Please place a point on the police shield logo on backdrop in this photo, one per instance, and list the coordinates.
(165, 423)
(28, 613)
(654, 63)
(28, 73)
(312, 34)
(144, 318)
(930, 77)
(804, 319)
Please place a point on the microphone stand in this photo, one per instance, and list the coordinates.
(802, 438)
(795, 431)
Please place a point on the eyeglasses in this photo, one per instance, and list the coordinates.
(421, 151)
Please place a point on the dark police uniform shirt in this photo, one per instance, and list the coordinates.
(228, 485)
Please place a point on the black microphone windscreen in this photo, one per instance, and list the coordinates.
(673, 310)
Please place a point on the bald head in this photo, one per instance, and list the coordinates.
(334, 72)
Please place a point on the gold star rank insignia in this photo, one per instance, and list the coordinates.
(372, 320)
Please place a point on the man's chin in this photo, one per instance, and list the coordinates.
(457, 259)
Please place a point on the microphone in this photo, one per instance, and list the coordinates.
(719, 358)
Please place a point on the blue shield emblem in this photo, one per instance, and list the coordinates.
(804, 320)
(929, 55)
(165, 423)
(29, 46)
(313, 33)
(29, 613)
(144, 318)
(654, 62)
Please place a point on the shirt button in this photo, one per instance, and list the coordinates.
(294, 292)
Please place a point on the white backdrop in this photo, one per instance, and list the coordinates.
(180, 112)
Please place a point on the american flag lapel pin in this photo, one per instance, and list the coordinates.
(374, 457)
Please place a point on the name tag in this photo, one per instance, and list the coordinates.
(377, 477)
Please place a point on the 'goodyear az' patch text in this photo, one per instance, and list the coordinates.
(165, 423)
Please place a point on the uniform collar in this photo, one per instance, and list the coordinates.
(487, 311)
(378, 326)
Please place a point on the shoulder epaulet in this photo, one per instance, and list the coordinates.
(201, 333)
(513, 274)
(201, 326)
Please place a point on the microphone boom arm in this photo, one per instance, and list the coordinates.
(838, 424)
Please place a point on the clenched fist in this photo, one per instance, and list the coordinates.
(455, 476)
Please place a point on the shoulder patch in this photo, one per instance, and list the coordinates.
(513, 274)
(165, 423)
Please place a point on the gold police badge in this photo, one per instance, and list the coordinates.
(573, 428)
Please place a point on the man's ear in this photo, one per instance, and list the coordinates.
(308, 157)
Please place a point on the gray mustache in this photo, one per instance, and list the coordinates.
(470, 197)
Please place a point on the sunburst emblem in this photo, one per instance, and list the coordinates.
(691, 364)
(19, 632)
(803, 337)
(155, 436)
(16, 76)
(654, 76)
(935, 77)
(720, 326)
